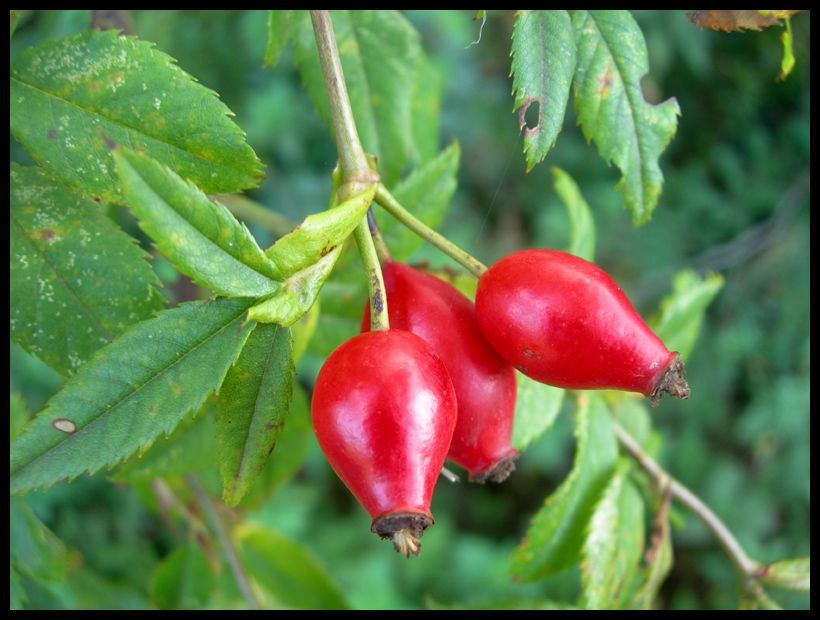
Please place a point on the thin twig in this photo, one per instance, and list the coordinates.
(745, 566)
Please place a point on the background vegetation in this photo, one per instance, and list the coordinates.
(735, 201)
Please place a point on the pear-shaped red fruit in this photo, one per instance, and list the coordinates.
(485, 384)
(563, 321)
(383, 412)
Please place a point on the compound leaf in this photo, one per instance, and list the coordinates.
(130, 392)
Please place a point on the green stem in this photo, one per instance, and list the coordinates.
(381, 247)
(375, 281)
(357, 175)
(392, 206)
(352, 160)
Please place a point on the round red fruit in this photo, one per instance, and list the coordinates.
(484, 383)
(384, 411)
(563, 321)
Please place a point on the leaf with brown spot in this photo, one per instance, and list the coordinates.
(169, 364)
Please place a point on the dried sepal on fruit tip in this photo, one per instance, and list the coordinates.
(404, 529)
(499, 471)
(672, 382)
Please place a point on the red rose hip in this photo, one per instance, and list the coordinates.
(484, 383)
(383, 412)
(563, 321)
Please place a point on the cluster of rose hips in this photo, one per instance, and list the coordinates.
(389, 407)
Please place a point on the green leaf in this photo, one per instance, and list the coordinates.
(582, 225)
(287, 570)
(280, 28)
(65, 94)
(183, 580)
(297, 295)
(251, 408)
(543, 51)
(682, 311)
(293, 444)
(76, 280)
(426, 193)
(201, 238)
(190, 447)
(426, 124)
(614, 543)
(536, 407)
(793, 574)
(34, 551)
(130, 392)
(787, 64)
(557, 533)
(380, 52)
(318, 235)
(612, 59)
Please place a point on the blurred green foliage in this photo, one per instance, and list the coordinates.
(735, 201)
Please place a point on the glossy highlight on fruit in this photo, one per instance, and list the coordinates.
(384, 410)
(484, 383)
(563, 321)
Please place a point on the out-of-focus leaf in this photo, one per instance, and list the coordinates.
(34, 552)
(380, 51)
(683, 309)
(183, 580)
(252, 407)
(426, 193)
(426, 111)
(318, 235)
(76, 280)
(190, 447)
(303, 329)
(557, 533)
(201, 238)
(536, 407)
(794, 574)
(543, 51)
(614, 543)
(65, 94)
(611, 110)
(130, 392)
(787, 64)
(287, 570)
(280, 29)
(736, 21)
(582, 225)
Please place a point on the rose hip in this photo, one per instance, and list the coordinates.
(484, 383)
(563, 321)
(383, 412)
